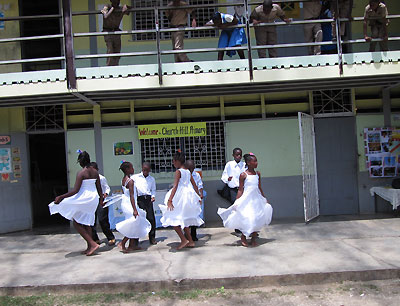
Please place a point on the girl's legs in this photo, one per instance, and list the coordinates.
(220, 55)
(188, 236)
(122, 244)
(184, 241)
(244, 241)
(84, 232)
(134, 245)
(254, 239)
(241, 54)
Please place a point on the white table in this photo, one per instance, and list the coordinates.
(387, 193)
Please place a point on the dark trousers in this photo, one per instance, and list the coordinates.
(102, 217)
(145, 203)
(233, 193)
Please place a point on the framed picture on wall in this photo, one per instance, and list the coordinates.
(123, 148)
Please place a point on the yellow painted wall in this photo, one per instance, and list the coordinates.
(10, 51)
(12, 120)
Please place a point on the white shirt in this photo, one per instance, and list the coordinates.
(144, 185)
(104, 185)
(233, 169)
(197, 180)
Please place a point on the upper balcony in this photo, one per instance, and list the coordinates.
(61, 57)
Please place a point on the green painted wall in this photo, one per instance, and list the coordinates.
(111, 163)
(83, 140)
(365, 121)
(276, 143)
(12, 120)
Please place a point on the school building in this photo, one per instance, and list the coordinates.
(57, 96)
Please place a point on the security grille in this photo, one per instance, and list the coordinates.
(145, 20)
(332, 102)
(208, 152)
(44, 118)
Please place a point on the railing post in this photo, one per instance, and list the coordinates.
(156, 14)
(250, 57)
(69, 44)
(338, 38)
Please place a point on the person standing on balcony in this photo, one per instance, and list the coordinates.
(266, 35)
(313, 31)
(178, 19)
(341, 9)
(112, 17)
(375, 16)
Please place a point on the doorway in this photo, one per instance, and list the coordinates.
(38, 27)
(336, 146)
(48, 176)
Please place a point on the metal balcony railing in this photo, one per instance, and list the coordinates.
(67, 36)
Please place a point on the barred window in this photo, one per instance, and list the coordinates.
(145, 20)
(44, 118)
(332, 102)
(208, 152)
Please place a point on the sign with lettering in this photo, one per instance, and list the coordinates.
(172, 130)
(5, 140)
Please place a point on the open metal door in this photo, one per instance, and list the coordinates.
(309, 167)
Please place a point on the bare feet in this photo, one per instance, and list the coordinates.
(132, 249)
(92, 250)
(183, 244)
(244, 241)
(121, 246)
(191, 244)
(85, 251)
(254, 241)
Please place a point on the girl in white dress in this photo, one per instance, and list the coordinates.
(182, 207)
(135, 224)
(80, 204)
(251, 211)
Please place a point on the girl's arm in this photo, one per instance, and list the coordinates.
(99, 190)
(132, 197)
(173, 191)
(259, 184)
(194, 185)
(78, 183)
(106, 11)
(242, 177)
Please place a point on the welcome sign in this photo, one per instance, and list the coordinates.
(172, 130)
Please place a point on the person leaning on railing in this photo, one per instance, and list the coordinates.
(376, 17)
(178, 19)
(313, 31)
(112, 17)
(266, 35)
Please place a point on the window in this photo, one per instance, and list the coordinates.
(208, 152)
(332, 102)
(44, 118)
(145, 20)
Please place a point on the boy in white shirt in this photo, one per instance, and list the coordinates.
(232, 171)
(199, 183)
(102, 213)
(145, 185)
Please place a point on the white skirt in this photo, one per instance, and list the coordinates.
(132, 227)
(80, 207)
(249, 214)
(187, 208)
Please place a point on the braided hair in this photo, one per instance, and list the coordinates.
(125, 166)
(84, 159)
(180, 156)
(248, 158)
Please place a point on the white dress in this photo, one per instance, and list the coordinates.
(251, 212)
(132, 227)
(80, 207)
(187, 205)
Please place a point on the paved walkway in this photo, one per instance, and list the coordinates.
(31, 259)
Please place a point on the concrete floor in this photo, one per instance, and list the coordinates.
(329, 245)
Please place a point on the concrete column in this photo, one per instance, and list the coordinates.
(263, 109)
(222, 108)
(178, 111)
(94, 62)
(387, 107)
(98, 141)
(132, 106)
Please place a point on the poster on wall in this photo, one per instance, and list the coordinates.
(123, 148)
(382, 150)
(5, 160)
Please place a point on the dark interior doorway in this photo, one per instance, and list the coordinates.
(48, 176)
(40, 48)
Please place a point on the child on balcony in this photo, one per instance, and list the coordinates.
(112, 17)
(229, 37)
(375, 16)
